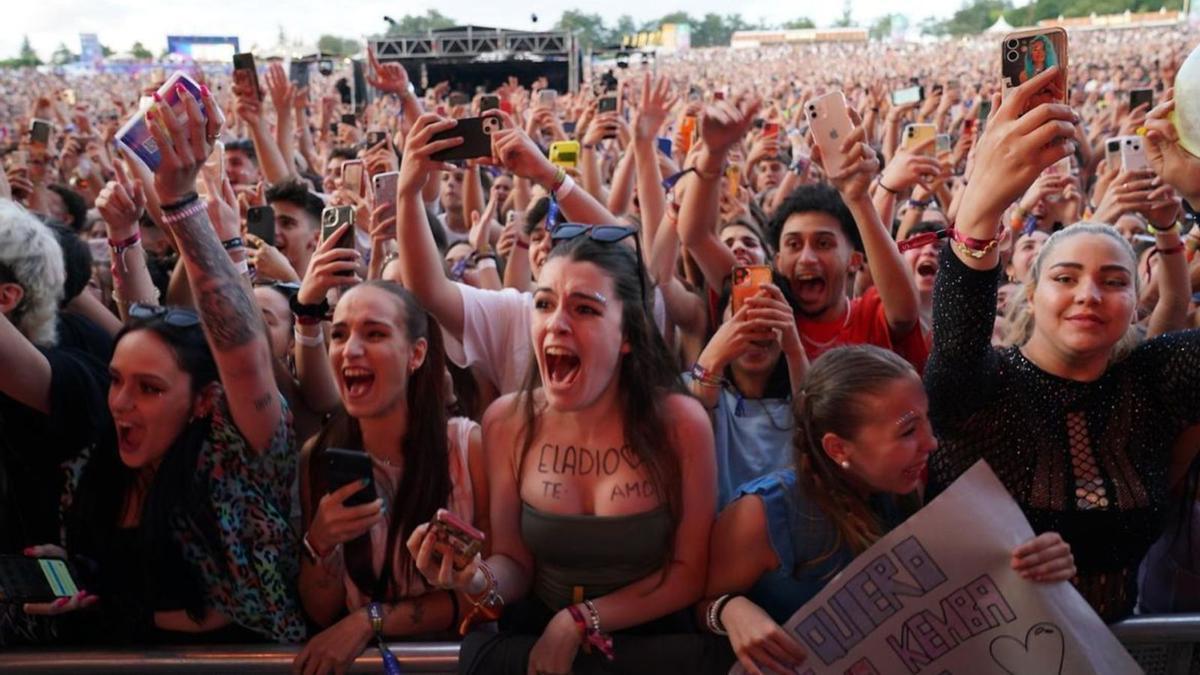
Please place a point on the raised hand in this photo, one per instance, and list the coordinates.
(1178, 167)
(121, 203)
(282, 92)
(417, 164)
(656, 103)
(184, 144)
(389, 77)
(723, 124)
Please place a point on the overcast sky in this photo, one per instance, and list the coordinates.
(120, 23)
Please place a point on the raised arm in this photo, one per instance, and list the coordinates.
(420, 265)
(897, 289)
(657, 102)
(249, 109)
(721, 126)
(283, 94)
(231, 319)
(121, 204)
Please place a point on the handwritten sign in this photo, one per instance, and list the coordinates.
(937, 595)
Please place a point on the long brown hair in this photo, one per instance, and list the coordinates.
(831, 401)
(425, 483)
(646, 373)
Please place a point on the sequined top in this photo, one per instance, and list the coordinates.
(1085, 459)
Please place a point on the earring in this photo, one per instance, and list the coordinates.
(845, 464)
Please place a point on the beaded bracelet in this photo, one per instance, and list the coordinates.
(715, 626)
(705, 377)
(178, 216)
(592, 637)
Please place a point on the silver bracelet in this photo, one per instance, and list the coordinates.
(714, 615)
(303, 340)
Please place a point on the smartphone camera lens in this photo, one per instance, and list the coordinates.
(1013, 56)
(1012, 44)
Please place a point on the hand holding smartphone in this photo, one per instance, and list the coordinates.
(746, 282)
(348, 466)
(245, 72)
(830, 124)
(1027, 53)
(465, 540)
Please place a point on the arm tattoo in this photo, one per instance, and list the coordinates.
(264, 401)
(229, 314)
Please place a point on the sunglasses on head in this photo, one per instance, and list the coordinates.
(605, 234)
(172, 316)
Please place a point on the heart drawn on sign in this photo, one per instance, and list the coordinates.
(1041, 653)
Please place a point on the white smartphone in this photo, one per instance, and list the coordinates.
(1133, 153)
(830, 124)
(352, 176)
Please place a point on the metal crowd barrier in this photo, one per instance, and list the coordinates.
(1162, 645)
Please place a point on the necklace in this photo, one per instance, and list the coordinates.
(822, 346)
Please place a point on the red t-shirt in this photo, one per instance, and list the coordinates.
(865, 324)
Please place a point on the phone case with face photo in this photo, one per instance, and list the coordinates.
(1025, 54)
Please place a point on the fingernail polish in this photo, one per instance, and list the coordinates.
(150, 113)
(204, 90)
(366, 482)
(157, 97)
(28, 551)
(60, 602)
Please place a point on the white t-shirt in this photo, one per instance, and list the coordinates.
(496, 340)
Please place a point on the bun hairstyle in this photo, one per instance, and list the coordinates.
(832, 400)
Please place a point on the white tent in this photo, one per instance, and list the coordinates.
(1001, 26)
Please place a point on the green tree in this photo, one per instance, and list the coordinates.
(588, 28)
(846, 20)
(62, 55)
(139, 51)
(28, 57)
(338, 46)
(800, 23)
(625, 26)
(415, 24)
(882, 27)
(105, 51)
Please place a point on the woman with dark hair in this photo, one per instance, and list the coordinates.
(357, 579)
(180, 532)
(605, 446)
(860, 449)
(746, 376)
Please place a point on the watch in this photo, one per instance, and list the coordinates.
(319, 311)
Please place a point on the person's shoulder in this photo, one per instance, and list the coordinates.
(779, 481)
(682, 408)
(503, 414)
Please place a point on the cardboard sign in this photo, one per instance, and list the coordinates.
(938, 595)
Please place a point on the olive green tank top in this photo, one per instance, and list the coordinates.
(597, 554)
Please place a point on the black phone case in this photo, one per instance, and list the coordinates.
(260, 222)
(347, 466)
(21, 580)
(477, 140)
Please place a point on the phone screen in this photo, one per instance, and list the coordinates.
(244, 71)
(1141, 96)
(260, 222)
(607, 104)
(39, 132)
(908, 95)
(352, 176)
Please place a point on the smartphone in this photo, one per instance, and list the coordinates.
(771, 129)
(564, 154)
(348, 466)
(476, 133)
(664, 145)
(24, 579)
(375, 137)
(352, 175)
(298, 73)
(1112, 151)
(385, 192)
(244, 71)
(908, 95)
(1133, 153)
(719, 95)
(747, 279)
(985, 110)
(829, 123)
(733, 178)
(349, 119)
(458, 98)
(943, 144)
(39, 133)
(915, 134)
(464, 539)
(489, 102)
(687, 133)
(1060, 168)
(695, 93)
(607, 103)
(1026, 53)
(1141, 96)
(547, 98)
(332, 218)
(260, 222)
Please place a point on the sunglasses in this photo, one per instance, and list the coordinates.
(605, 234)
(172, 316)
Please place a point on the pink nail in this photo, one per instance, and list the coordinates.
(204, 90)
(60, 602)
(150, 113)
(28, 551)
(157, 97)
(179, 88)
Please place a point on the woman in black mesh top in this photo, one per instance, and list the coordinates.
(1078, 430)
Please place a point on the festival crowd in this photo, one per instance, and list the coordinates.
(677, 378)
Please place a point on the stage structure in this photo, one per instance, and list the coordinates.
(476, 56)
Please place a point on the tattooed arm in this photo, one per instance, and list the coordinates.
(231, 319)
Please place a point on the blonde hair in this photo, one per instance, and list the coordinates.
(1020, 309)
